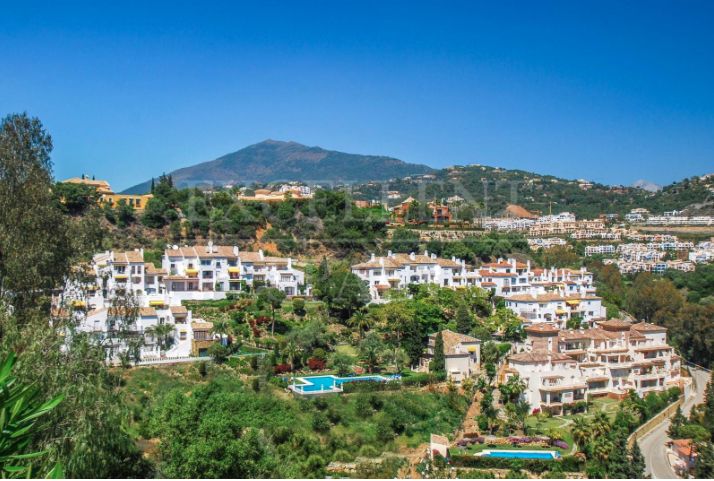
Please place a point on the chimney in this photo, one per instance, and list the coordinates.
(261, 255)
(412, 256)
(426, 253)
(390, 254)
(290, 262)
(236, 251)
(209, 246)
(371, 257)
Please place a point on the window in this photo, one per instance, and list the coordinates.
(182, 335)
(205, 262)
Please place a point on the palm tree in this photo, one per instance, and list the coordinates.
(360, 320)
(291, 351)
(600, 424)
(162, 333)
(581, 432)
(221, 327)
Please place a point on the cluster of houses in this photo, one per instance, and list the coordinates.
(561, 224)
(639, 257)
(120, 293)
(536, 295)
(282, 193)
(107, 196)
(672, 218)
(561, 367)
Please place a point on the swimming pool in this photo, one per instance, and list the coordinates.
(519, 454)
(325, 384)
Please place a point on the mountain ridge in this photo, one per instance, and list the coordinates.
(276, 160)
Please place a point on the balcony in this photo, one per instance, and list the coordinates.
(191, 272)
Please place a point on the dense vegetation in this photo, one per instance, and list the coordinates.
(38, 244)
(227, 428)
(687, 312)
(491, 189)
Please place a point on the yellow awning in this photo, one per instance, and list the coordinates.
(191, 272)
(234, 270)
(573, 302)
(471, 348)
(560, 312)
(78, 303)
(156, 303)
(120, 277)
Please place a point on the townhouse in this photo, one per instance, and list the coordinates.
(462, 355)
(562, 367)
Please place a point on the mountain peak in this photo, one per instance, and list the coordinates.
(281, 161)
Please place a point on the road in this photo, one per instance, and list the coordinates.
(653, 444)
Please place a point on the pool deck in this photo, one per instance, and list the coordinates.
(335, 388)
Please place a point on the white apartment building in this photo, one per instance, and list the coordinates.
(545, 243)
(599, 250)
(210, 271)
(114, 327)
(397, 271)
(556, 308)
(562, 367)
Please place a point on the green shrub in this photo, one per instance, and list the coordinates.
(566, 464)
(368, 451)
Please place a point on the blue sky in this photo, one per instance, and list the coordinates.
(609, 91)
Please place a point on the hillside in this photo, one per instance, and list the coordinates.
(493, 189)
(272, 161)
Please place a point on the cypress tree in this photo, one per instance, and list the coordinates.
(708, 420)
(704, 469)
(618, 466)
(438, 363)
(637, 462)
(678, 420)
(464, 322)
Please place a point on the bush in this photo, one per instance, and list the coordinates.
(474, 474)
(315, 364)
(368, 451)
(343, 455)
(320, 423)
(281, 368)
(537, 466)
(299, 307)
(218, 352)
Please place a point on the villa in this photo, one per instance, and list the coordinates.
(462, 355)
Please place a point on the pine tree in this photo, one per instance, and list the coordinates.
(152, 185)
(618, 466)
(637, 462)
(704, 468)
(438, 363)
(678, 420)
(708, 420)
(464, 322)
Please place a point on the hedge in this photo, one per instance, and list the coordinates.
(537, 466)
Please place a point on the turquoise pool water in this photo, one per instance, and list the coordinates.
(521, 454)
(329, 383)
